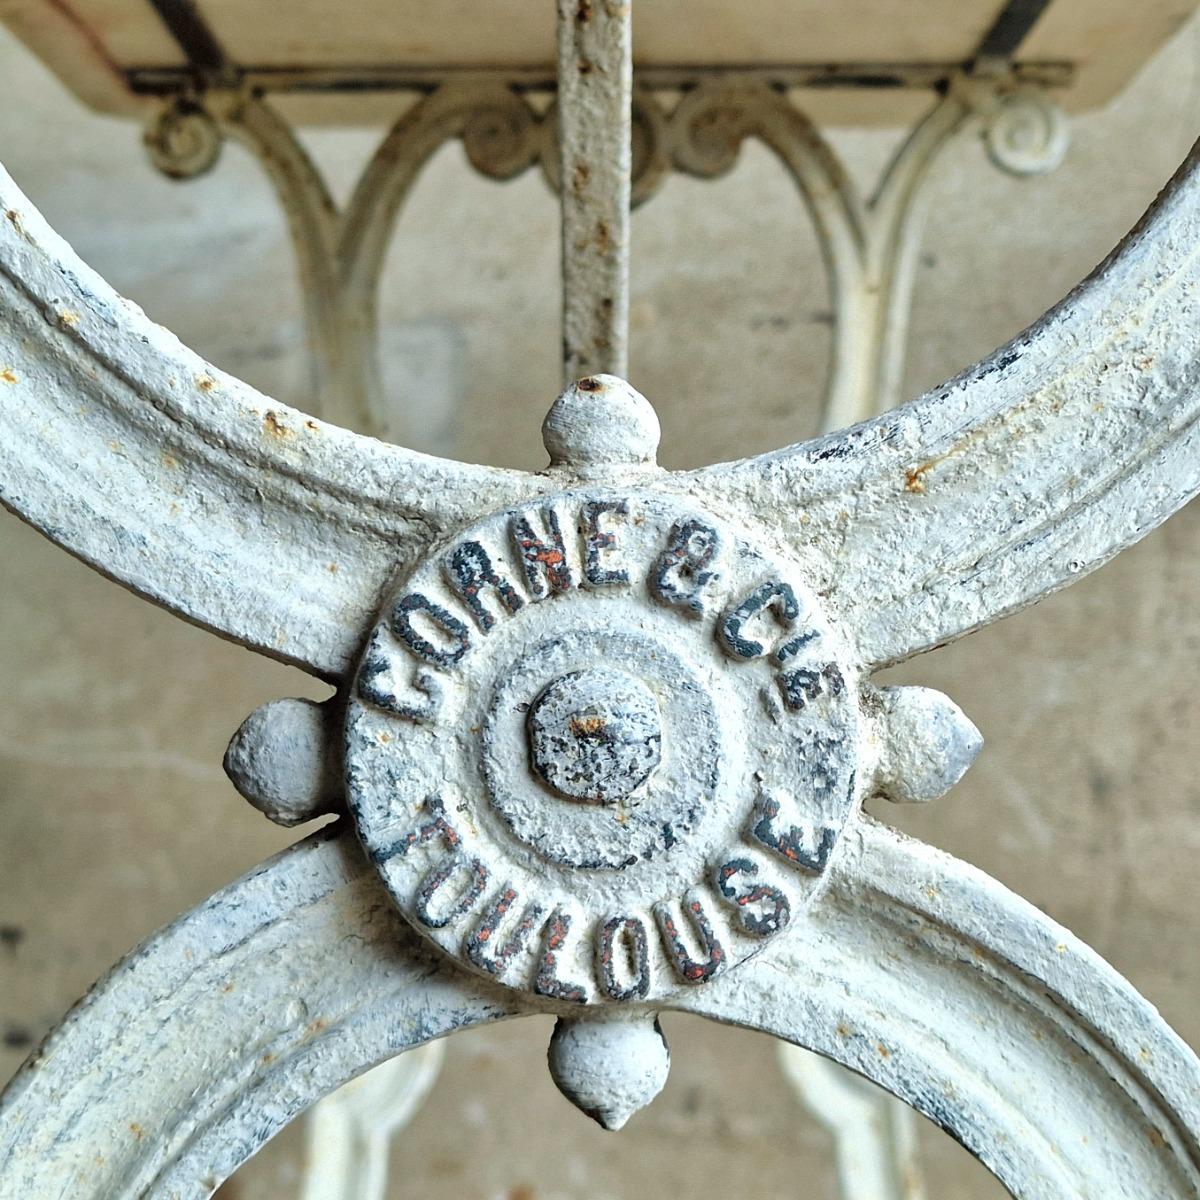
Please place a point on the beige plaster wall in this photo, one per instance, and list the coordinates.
(114, 813)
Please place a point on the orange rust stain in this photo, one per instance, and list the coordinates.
(137, 1131)
(315, 1027)
(914, 480)
(69, 318)
(588, 726)
(169, 461)
(332, 568)
(8, 375)
(843, 1031)
(228, 987)
(385, 738)
(267, 1059)
(884, 1052)
(206, 383)
(275, 426)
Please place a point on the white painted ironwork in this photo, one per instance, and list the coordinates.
(348, 1134)
(869, 243)
(502, 770)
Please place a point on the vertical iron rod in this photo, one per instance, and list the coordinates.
(595, 91)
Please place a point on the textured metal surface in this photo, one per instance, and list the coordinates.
(747, 604)
(595, 93)
(302, 976)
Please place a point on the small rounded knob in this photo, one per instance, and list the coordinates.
(600, 419)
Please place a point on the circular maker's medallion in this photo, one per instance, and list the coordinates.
(601, 746)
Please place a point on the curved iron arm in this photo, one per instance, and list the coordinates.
(1023, 473)
(188, 486)
(1000, 1026)
(246, 517)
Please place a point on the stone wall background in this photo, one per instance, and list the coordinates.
(114, 812)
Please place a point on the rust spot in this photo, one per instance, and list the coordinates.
(69, 317)
(385, 738)
(169, 461)
(589, 385)
(914, 480)
(14, 217)
(205, 383)
(584, 66)
(583, 12)
(315, 1027)
(884, 1052)
(332, 568)
(267, 1059)
(588, 726)
(1145, 363)
(137, 1131)
(843, 1031)
(579, 179)
(1156, 1139)
(603, 238)
(8, 375)
(228, 987)
(275, 426)
(310, 424)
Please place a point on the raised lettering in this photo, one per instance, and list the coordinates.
(802, 844)
(376, 686)
(473, 876)
(438, 827)
(623, 956)
(483, 945)
(682, 570)
(800, 687)
(543, 556)
(775, 597)
(762, 909)
(547, 981)
(600, 545)
(471, 574)
(696, 967)
(457, 634)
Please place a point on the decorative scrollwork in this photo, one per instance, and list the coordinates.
(651, 156)
(501, 138)
(1026, 132)
(183, 141)
(709, 125)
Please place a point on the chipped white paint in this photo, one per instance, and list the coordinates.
(300, 539)
(595, 100)
(995, 1002)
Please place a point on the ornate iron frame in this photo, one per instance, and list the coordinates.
(874, 544)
